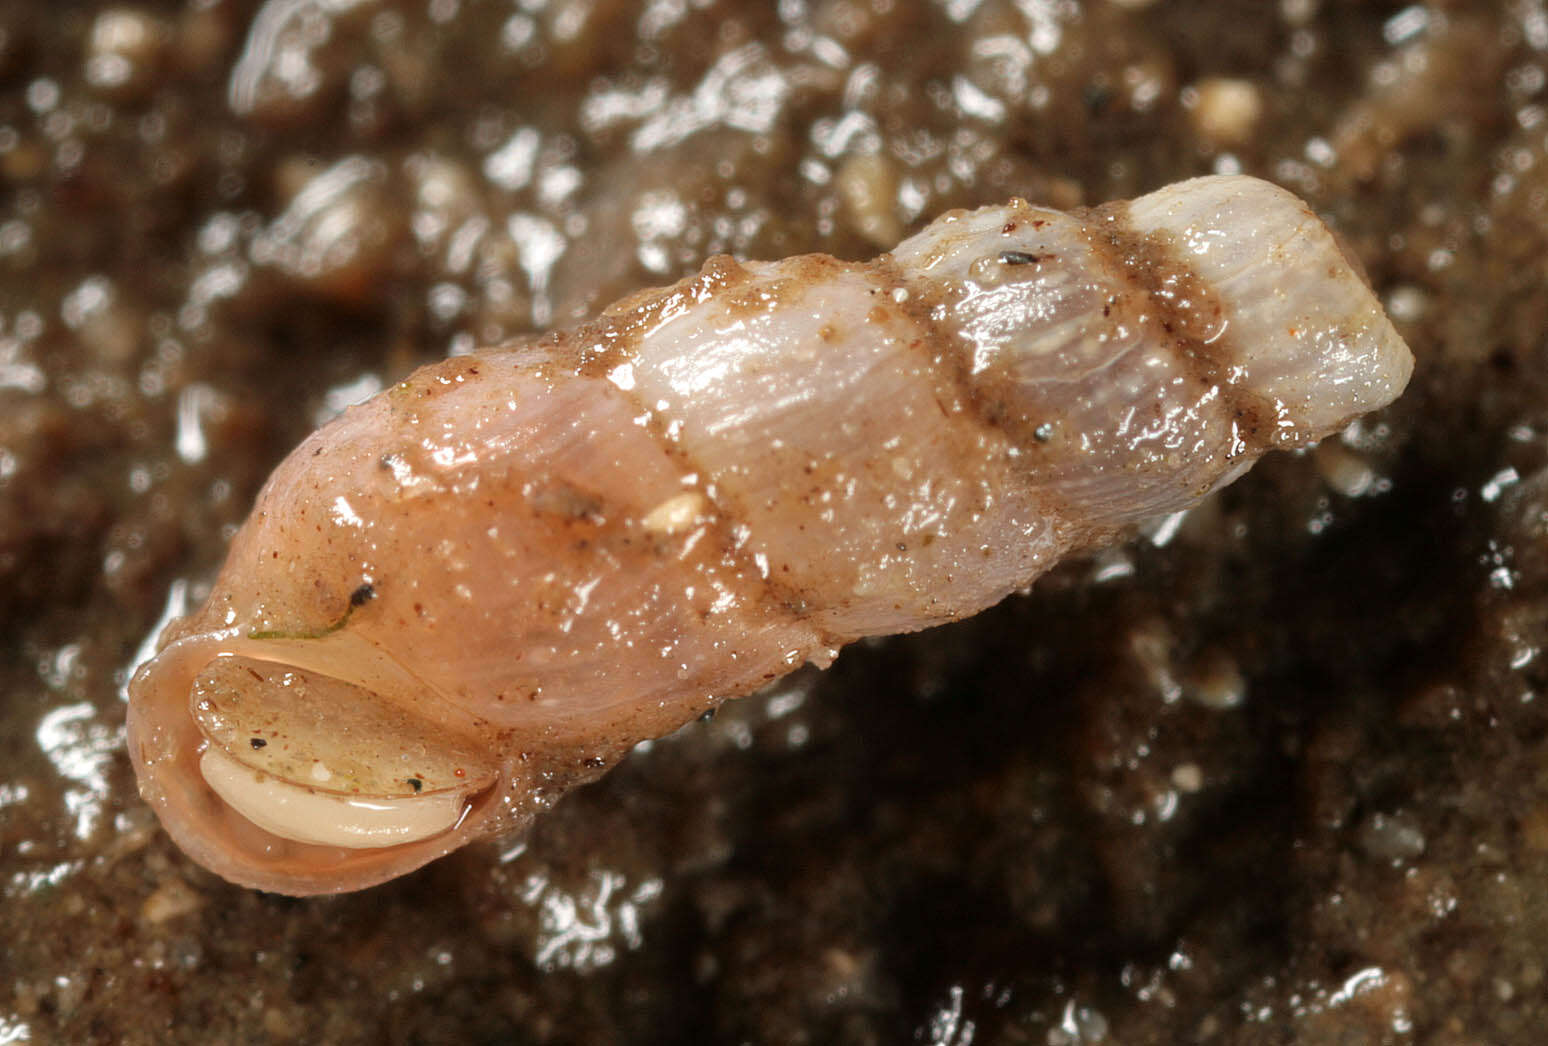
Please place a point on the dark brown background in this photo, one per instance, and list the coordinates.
(1278, 779)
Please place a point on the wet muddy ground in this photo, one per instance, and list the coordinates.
(1276, 775)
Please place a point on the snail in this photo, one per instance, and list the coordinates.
(487, 583)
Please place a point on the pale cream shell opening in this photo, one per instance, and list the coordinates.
(307, 816)
(283, 832)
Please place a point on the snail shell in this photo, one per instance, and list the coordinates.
(488, 582)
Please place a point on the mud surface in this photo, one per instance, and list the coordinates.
(1277, 775)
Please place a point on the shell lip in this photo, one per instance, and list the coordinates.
(165, 746)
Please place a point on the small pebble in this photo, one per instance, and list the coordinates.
(869, 187)
(1391, 837)
(1224, 112)
(123, 50)
(172, 898)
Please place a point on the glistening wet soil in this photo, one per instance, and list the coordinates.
(1276, 775)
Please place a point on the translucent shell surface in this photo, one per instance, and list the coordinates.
(487, 583)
